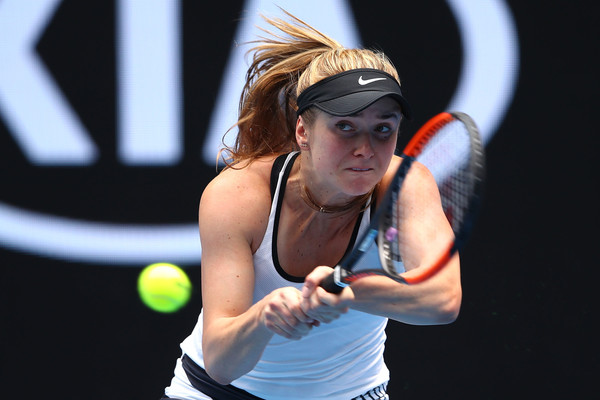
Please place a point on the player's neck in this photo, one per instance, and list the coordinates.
(322, 205)
(358, 202)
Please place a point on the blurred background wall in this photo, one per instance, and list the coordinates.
(111, 113)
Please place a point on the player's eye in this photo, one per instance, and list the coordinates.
(383, 129)
(343, 126)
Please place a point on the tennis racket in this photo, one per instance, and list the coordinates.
(449, 145)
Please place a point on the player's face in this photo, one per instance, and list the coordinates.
(352, 153)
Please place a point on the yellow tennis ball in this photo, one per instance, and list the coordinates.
(164, 287)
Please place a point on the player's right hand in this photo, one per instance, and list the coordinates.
(283, 315)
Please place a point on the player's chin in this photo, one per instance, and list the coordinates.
(362, 181)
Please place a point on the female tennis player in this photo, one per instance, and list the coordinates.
(318, 126)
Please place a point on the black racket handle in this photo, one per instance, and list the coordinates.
(329, 284)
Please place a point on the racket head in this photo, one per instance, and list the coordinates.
(450, 146)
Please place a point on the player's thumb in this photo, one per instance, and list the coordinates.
(308, 288)
(312, 280)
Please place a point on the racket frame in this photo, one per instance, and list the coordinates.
(343, 275)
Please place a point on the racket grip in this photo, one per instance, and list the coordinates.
(331, 285)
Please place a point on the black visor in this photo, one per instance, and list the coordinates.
(352, 91)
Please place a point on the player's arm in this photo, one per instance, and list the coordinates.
(434, 301)
(233, 215)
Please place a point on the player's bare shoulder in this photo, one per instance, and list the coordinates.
(239, 197)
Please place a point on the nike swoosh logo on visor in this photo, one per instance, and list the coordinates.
(363, 82)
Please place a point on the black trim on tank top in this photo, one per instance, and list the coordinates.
(277, 166)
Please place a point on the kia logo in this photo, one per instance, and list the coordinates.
(148, 142)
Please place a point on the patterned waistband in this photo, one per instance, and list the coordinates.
(378, 393)
(200, 380)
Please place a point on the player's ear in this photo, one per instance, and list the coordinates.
(301, 133)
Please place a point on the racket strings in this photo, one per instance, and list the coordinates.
(449, 158)
(455, 194)
(411, 235)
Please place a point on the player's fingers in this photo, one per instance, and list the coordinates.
(284, 316)
(286, 333)
(285, 325)
(292, 301)
(339, 301)
(312, 280)
(294, 318)
(323, 306)
(299, 314)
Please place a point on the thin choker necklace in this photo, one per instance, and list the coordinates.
(360, 200)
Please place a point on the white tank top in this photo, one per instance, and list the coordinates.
(336, 361)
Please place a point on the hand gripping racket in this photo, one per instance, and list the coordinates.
(449, 145)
